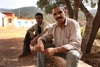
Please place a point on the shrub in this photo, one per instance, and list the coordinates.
(82, 31)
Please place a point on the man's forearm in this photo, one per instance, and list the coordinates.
(36, 38)
(40, 35)
(60, 50)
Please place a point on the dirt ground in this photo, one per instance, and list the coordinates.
(11, 42)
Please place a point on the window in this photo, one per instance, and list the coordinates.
(9, 20)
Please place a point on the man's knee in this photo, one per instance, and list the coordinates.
(73, 54)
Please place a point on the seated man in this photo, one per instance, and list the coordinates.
(66, 35)
(33, 33)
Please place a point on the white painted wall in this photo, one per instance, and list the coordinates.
(23, 22)
(1, 16)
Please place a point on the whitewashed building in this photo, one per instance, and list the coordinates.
(1, 19)
(9, 19)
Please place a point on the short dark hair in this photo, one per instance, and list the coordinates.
(39, 14)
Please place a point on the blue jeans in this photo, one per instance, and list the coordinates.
(71, 57)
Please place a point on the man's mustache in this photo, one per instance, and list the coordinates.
(59, 18)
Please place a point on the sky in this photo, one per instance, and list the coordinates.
(12, 4)
(88, 4)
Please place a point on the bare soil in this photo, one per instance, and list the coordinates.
(11, 43)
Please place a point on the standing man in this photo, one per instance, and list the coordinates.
(67, 40)
(33, 33)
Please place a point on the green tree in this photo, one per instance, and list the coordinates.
(47, 5)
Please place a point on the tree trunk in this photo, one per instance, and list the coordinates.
(89, 19)
(76, 7)
(70, 10)
(95, 28)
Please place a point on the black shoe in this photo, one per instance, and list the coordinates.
(24, 55)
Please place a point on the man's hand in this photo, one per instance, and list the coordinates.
(33, 42)
(50, 51)
(40, 46)
(31, 35)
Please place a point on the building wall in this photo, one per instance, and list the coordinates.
(7, 22)
(24, 22)
(1, 19)
(11, 20)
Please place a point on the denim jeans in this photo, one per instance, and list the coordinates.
(71, 57)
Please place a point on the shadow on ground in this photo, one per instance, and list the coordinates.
(10, 49)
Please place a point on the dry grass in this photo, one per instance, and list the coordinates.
(12, 32)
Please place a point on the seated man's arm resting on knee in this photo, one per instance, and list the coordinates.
(33, 42)
(31, 35)
(49, 51)
(39, 47)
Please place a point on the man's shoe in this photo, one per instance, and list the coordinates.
(24, 55)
